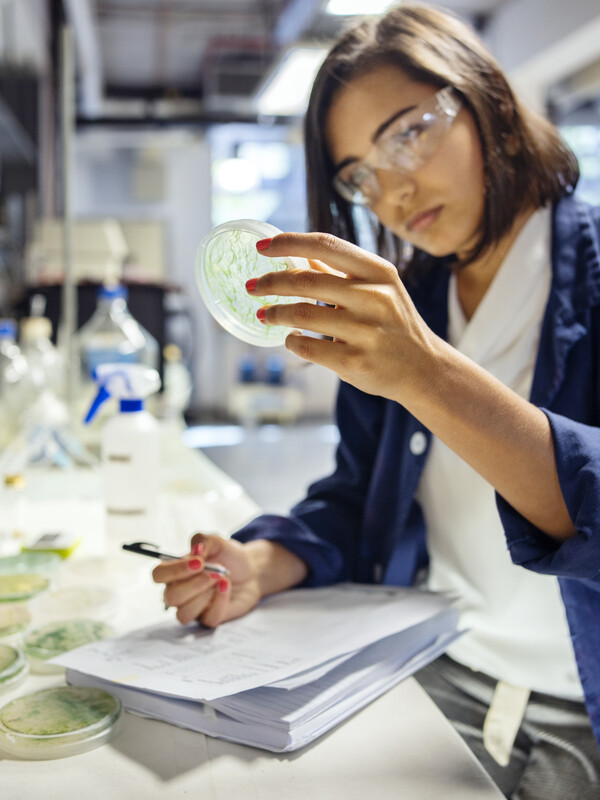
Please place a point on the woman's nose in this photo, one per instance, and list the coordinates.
(395, 186)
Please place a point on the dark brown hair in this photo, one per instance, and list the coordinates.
(526, 162)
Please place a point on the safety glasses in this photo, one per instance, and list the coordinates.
(405, 145)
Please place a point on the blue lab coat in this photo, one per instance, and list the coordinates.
(363, 523)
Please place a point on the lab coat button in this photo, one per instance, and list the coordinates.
(418, 443)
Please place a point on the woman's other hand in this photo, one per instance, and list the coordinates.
(256, 569)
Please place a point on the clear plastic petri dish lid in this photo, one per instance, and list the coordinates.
(57, 722)
(15, 618)
(13, 667)
(226, 258)
(77, 602)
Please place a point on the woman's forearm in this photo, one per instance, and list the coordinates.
(276, 567)
(502, 436)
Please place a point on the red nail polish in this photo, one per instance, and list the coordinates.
(251, 284)
(223, 585)
(195, 564)
(261, 314)
(198, 549)
(263, 244)
(215, 576)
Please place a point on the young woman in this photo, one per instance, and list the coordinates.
(469, 459)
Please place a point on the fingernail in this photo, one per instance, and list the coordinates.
(261, 314)
(223, 585)
(166, 605)
(251, 284)
(195, 564)
(215, 576)
(197, 549)
(263, 244)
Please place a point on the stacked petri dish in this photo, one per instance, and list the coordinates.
(59, 721)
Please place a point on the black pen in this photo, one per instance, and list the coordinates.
(147, 549)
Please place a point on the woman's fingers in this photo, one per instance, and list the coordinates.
(196, 603)
(216, 611)
(178, 570)
(333, 252)
(333, 322)
(178, 593)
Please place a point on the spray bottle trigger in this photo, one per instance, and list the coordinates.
(101, 397)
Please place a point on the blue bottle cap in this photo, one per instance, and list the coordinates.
(8, 329)
(112, 292)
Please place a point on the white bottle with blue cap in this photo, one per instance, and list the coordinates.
(130, 450)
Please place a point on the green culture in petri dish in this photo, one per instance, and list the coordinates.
(227, 257)
(26, 575)
(55, 638)
(58, 722)
(22, 586)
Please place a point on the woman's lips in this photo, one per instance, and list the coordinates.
(420, 222)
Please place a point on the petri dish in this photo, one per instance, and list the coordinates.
(13, 667)
(26, 575)
(226, 258)
(55, 638)
(58, 722)
(15, 618)
(74, 602)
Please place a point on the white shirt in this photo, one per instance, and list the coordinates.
(517, 626)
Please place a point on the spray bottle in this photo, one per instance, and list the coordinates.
(130, 450)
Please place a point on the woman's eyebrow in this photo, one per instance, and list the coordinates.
(388, 122)
(384, 125)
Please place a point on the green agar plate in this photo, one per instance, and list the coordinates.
(56, 638)
(13, 667)
(26, 575)
(227, 257)
(57, 722)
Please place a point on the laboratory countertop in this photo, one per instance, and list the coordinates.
(398, 746)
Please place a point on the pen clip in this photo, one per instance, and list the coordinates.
(148, 549)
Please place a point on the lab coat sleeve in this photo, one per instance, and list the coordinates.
(577, 453)
(324, 528)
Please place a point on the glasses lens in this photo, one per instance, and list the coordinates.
(357, 183)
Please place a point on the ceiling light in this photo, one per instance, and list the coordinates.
(287, 89)
(357, 8)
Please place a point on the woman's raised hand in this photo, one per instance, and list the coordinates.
(379, 343)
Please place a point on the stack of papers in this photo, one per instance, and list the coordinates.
(278, 678)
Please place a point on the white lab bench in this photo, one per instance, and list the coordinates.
(400, 746)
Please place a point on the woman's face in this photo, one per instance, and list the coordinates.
(439, 205)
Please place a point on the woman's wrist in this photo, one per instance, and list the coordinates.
(275, 567)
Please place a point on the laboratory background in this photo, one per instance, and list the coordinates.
(129, 129)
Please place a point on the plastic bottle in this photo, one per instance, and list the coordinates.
(44, 382)
(44, 361)
(111, 335)
(130, 450)
(177, 388)
(13, 369)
